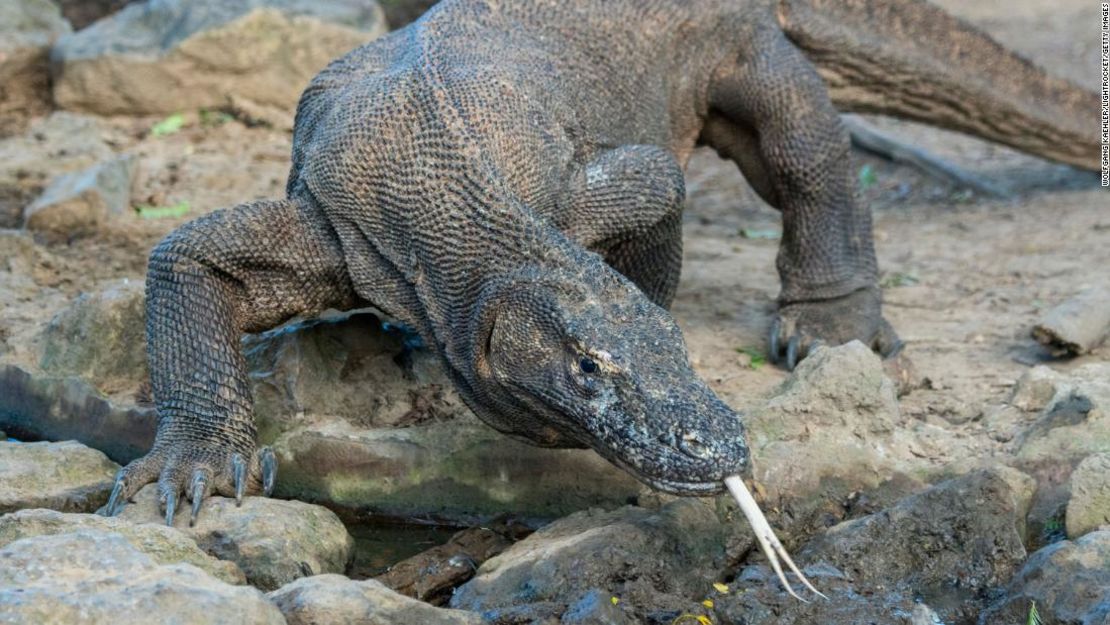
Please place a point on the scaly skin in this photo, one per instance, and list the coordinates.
(506, 179)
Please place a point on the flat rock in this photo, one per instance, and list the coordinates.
(273, 541)
(95, 577)
(27, 29)
(100, 337)
(336, 599)
(79, 203)
(650, 560)
(949, 544)
(164, 545)
(164, 56)
(62, 476)
(1089, 504)
(456, 470)
(1068, 580)
(36, 406)
(1077, 325)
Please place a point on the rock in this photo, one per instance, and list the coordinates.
(337, 599)
(432, 575)
(1068, 580)
(1074, 419)
(164, 545)
(62, 476)
(320, 368)
(34, 406)
(100, 337)
(829, 430)
(756, 598)
(949, 544)
(27, 29)
(651, 560)
(273, 541)
(1089, 505)
(78, 203)
(94, 577)
(1078, 325)
(81, 13)
(165, 56)
(596, 608)
(59, 143)
(451, 471)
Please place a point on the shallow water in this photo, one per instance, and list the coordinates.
(380, 546)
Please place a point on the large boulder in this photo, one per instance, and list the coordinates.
(100, 337)
(162, 56)
(337, 599)
(62, 476)
(274, 542)
(27, 29)
(452, 470)
(80, 203)
(164, 544)
(652, 561)
(95, 577)
(1069, 581)
(1089, 502)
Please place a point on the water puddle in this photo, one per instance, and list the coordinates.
(379, 546)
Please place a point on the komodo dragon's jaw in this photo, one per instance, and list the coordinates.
(606, 368)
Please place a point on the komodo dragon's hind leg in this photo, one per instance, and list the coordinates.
(240, 270)
(770, 113)
(626, 204)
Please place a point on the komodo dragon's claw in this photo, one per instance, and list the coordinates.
(239, 477)
(269, 470)
(199, 485)
(170, 503)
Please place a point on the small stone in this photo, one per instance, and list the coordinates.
(1089, 505)
(337, 599)
(164, 544)
(78, 203)
(95, 577)
(273, 541)
(61, 476)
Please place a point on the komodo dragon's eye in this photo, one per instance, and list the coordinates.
(587, 365)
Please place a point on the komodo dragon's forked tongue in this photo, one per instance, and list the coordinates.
(911, 59)
(770, 544)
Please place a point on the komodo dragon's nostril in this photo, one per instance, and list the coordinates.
(691, 445)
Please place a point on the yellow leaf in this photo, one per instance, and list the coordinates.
(708, 603)
(704, 620)
(721, 588)
(614, 600)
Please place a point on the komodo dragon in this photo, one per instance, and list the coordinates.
(506, 178)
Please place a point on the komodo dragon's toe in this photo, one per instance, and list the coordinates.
(198, 473)
(801, 327)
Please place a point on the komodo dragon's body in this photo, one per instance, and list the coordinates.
(506, 177)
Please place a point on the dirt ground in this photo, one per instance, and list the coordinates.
(965, 277)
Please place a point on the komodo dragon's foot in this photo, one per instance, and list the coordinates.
(198, 470)
(798, 328)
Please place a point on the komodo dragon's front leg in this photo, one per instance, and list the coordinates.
(771, 114)
(240, 270)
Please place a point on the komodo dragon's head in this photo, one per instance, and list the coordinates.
(610, 371)
(566, 361)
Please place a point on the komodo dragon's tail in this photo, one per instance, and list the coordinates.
(910, 59)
